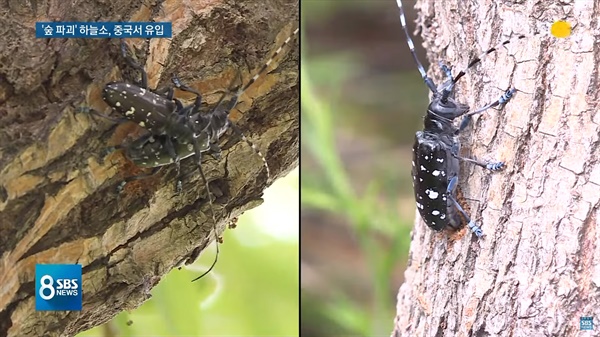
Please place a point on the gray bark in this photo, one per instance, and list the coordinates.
(58, 200)
(537, 270)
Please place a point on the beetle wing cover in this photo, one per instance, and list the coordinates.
(430, 179)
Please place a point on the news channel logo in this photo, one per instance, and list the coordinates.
(586, 323)
(57, 287)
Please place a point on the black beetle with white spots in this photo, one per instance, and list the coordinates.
(174, 131)
(435, 163)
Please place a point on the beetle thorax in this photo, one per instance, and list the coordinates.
(449, 109)
(436, 124)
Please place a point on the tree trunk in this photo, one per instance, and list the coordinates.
(58, 193)
(537, 270)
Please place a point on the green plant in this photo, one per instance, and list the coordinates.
(332, 191)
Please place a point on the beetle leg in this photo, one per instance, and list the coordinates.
(166, 91)
(508, 94)
(449, 192)
(492, 166)
(215, 151)
(170, 147)
(96, 113)
(134, 64)
(197, 103)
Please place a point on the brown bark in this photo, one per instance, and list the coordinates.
(537, 270)
(58, 200)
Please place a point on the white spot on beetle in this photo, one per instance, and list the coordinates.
(118, 104)
(421, 179)
(419, 205)
(153, 101)
(436, 173)
(440, 160)
(413, 163)
(443, 216)
(423, 168)
(149, 113)
(130, 112)
(142, 124)
(142, 91)
(443, 174)
(124, 92)
(435, 212)
(426, 157)
(431, 194)
(128, 85)
(190, 147)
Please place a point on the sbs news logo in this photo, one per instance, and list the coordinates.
(57, 287)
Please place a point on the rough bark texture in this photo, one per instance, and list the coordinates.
(58, 199)
(537, 270)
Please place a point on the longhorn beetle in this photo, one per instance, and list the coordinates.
(176, 132)
(435, 163)
(160, 147)
(181, 126)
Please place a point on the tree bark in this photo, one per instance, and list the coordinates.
(58, 198)
(537, 270)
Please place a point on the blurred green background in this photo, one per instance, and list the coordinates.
(252, 291)
(362, 100)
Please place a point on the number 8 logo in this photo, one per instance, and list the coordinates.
(45, 285)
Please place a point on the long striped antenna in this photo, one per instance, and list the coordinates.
(484, 54)
(448, 89)
(231, 104)
(269, 61)
(255, 148)
(411, 46)
(227, 109)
